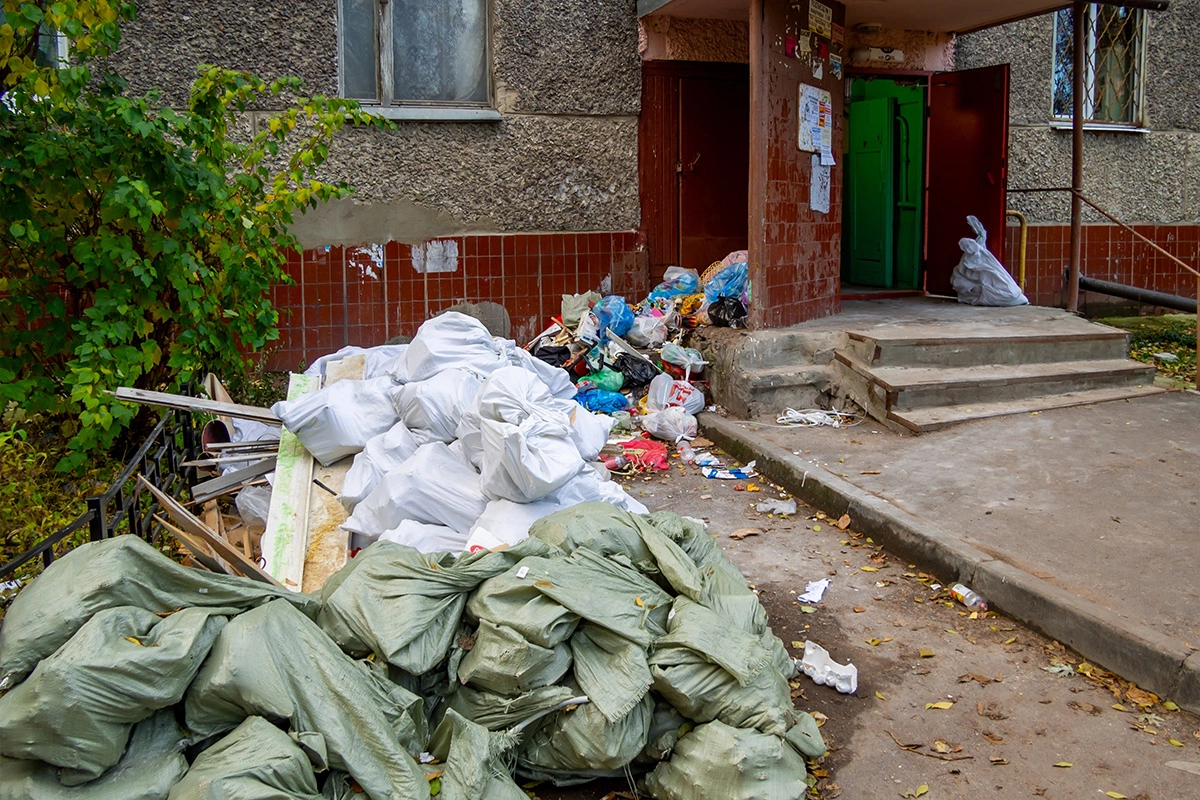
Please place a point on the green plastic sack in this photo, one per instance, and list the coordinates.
(503, 661)
(581, 744)
(404, 605)
(472, 761)
(276, 663)
(719, 762)
(122, 571)
(498, 712)
(77, 708)
(152, 763)
(611, 670)
(607, 379)
(257, 761)
(574, 306)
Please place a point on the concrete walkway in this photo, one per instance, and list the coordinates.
(1082, 522)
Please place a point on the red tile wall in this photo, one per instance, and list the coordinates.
(1109, 253)
(365, 295)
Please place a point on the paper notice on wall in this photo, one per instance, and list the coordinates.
(835, 66)
(819, 187)
(816, 119)
(839, 34)
(820, 18)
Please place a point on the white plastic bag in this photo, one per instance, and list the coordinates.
(254, 504)
(432, 408)
(686, 357)
(672, 424)
(556, 379)
(380, 360)
(337, 421)
(589, 487)
(665, 391)
(647, 331)
(527, 461)
(433, 486)
(453, 341)
(589, 431)
(381, 455)
(506, 522)
(981, 280)
(426, 538)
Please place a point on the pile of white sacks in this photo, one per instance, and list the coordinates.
(461, 440)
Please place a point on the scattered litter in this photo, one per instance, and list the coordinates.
(814, 591)
(742, 533)
(731, 474)
(817, 664)
(816, 417)
(968, 598)
(777, 506)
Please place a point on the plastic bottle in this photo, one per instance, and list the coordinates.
(968, 598)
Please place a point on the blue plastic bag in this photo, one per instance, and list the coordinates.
(602, 401)
(729, 282)
(677, 282)
(614, 315)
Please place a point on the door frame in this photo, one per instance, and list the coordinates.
(658, 150)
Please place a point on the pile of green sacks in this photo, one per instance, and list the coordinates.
(605, 644)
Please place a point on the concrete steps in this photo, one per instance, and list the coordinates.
(920, 383)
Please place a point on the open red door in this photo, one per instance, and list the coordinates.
(968, 166)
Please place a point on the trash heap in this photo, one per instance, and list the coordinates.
(606, 643)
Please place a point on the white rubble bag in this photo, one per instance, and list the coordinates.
(431, 408)
(379, 361)
(381, 455)
(426, 538)
(981, 280)
(336, 421)
(453, 341)
(589, 431)
(434, 486)
(557, 381)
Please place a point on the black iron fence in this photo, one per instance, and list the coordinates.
(123, 508)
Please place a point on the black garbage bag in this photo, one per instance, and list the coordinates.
(727, 312)
(552, 355)
(637, 371)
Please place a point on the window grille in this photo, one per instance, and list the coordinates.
(1114, 65)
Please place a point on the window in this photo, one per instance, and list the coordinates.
(1114, 66)
(416, 53)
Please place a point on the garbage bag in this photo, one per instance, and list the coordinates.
(805, 736)
(589, 431)
(580, 744)
(121, 571)
(574, 306)
(497, 711)
(718, 762)
(505, 662)
(727, 312)
(648, 330)
(556, 380)
(426, 538)
(380, 455)
(589, 487)
(553, 355)
(979, 278)
(275, 663)
(431, 408)
(254, 505)
(729, 282)
(336, 421)
(472, 763)
(606, 379)
(152, 763)
(256, 761)
(509, 522)
(614, 314)
(405, 606)
(453, 341)
(524, 462)
(77, 708)
(677, 281)
(666, 391)
(611, 670)
(687, 358)
(433, 486)
(671, 424)
(381, 360)
(602, 401)
(637, 371)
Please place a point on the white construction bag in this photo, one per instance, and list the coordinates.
(426, 538)
(381, 455)
(337, 421)
(453, 341)
(525, 462)
(380, 361)
(981, 280)
(432, 408)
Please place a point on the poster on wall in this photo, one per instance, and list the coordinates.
(816, 122)
(818, 198)
(820, 19)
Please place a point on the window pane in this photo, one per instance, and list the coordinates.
(360, 49)
(1116, 63)
(1064, 52)
(440, 50)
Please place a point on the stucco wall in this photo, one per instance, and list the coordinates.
(1140, 177)
(677, 39)
(564, 157)
(925, 50)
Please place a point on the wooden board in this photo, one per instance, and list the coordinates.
(186, 403)
(231, 481)
(283, 542)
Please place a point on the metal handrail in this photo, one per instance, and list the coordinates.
(1012, 212)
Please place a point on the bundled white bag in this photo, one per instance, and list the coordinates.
(671, 424)
(506, 522)
(434, 486)
(647, 331)
(381, 455)
(589, 431)
(470, 435)
(453, 341)
(380, 361)
(589, 487)
(527, 461)
(426, 538)
(432, 408)
(665, 391)
(337, 421)
(979, 279)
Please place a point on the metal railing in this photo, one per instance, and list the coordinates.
(172, 442)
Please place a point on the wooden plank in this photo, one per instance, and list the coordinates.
(189, 523)
(284, 541)
(229, 459)
(186, 403)
(202, 555)
(207, 490)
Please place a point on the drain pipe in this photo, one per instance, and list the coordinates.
(1187, 305)
(1012, 212)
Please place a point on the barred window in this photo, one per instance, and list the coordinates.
(1114, 65)
(415, 52)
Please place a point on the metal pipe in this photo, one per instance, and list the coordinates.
(1148, 296)
(1078, 18)
(1012, 212)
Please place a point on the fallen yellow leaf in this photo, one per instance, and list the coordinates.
(1010, 641)
(869, 569)
(1177, 744)
(943, 705)
(843, 522)
(798, 645)
(880, 696)
(1169, 706)
(998, 760)
(925, 652)
(637, 601)
(1119, 707)
(872, 642)
(1064, 764)
(1115, 795)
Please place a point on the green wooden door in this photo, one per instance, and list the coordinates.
(870, 182)
(910, 183)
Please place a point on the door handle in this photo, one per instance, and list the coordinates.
(695, 161)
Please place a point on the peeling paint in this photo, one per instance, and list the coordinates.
(367, 259)
(437, 255)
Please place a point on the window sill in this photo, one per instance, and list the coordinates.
(435, 113)
(1098, 127)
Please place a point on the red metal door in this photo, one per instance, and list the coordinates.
(968, 166)
(714, 164)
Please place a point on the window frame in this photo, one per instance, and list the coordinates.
(387, 106)
(1066, 122)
